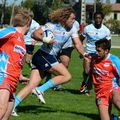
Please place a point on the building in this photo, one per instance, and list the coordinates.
(115, 14)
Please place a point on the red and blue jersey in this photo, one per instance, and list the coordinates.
(12, 52)
(105, 74)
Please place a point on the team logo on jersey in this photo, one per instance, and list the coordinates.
(106, 64)
(20, 50)
(46, 65)
(19, 39)
(8, 86)
(100, 71)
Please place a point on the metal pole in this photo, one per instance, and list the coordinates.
(12, 13)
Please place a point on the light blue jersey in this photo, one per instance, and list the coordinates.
(69, 43)
(34, 25)
(93, 34)
(61, 36)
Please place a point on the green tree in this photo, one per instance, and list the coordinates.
(28, 4)
(98, 5)
(3, 11)
(57, 4)
(114, 25)
(117, 1)
(106, 9)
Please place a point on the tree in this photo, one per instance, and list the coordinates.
(106, 9)
(57, 4)
(28, 4)
(3, 11)
(117, 1)
(114, 25)
(98, 5)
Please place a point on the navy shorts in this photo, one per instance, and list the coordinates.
(30, 49)
(66, 51)
(43, 61)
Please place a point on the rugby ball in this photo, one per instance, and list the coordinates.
(49, 33)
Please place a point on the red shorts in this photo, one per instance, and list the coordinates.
(7, 85)
(104, 98)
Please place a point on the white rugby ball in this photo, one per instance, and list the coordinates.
(49, 34)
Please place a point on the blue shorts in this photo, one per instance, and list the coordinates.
(30, 49)
(43, 61)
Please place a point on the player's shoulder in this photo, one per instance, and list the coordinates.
(105, 27)
(76, 24)
(8, 30)
(34, 24)
(90, 26)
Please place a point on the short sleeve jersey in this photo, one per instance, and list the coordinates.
(34, 26)
(12, 52)
(61, 34)
(105, 73)
(93, 34)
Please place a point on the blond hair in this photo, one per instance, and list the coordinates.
(61, 15)
(22, 17)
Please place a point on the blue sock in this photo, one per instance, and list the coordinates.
(18, 100)
(46, 86)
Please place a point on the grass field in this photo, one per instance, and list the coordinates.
(67, 104)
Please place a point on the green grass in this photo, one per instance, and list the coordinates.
(67, 104)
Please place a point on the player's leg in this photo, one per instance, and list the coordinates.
(65, 57)
(4, 98)
(35, 78)
(62, 76)
(28, 56)
(9, 111)
(103, 112)
(24, 80)
(86, 77)
(115, 97)
(65, 60)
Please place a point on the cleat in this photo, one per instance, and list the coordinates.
(87, 93)
(82, 88)
(114, 117)
(57, 87)
(39, 95)
(14, 113)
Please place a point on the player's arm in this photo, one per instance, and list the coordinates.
(78, 45)
(40, 36)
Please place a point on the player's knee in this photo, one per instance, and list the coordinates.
(66, 64)
(68, 77)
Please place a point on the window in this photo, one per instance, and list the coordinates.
(115, 16)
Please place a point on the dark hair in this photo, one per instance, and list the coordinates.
(103, 43)
(98, 13)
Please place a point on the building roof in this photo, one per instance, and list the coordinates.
(116, 7)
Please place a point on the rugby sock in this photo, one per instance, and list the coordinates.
(46, 86)
(18, 100)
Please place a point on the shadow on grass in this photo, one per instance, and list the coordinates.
(72, 91)
(34, 109)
